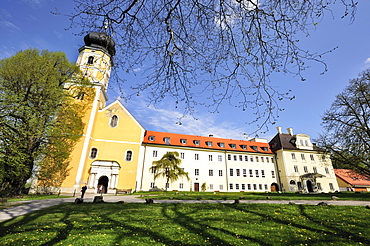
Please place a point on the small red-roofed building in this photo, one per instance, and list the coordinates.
(349, 180)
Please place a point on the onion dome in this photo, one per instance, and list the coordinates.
(100, 40)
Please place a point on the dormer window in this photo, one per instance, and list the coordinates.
(196, 142)
(254, 148)
(222, 145)
(166, 140)
(233, 146)
(209, 143)
(264, 148)
(183, 141)
(243, 146)
(90, 60)
(151, 138)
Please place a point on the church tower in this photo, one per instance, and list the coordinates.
(107, 155)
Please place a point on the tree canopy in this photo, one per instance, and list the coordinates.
(210, 52)
(39, 120)
(347, 126)
(169, 168)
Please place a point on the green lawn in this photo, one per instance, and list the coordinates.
(365, 196)
(189, 224)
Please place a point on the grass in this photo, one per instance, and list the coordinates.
(189, 224)
(255, 195)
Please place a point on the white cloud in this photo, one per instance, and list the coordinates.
(9, 25)
(167, 120)
(367, 62)
(137, 70)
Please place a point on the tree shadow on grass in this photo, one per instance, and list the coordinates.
(202, 229)
(314, 228)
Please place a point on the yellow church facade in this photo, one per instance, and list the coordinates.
(107, 154)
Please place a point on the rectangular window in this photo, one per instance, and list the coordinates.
(303, 157)
(257, 159)
(293, 156)
(262, 159)
(272, 160)
(229, 157)
(210, 158)
(246, 158)
(197, 157)
(251, 159)
(231, 172)
(312, 158)
(254, 187)
(296, 169)
(305, 169)
(152, 170)
(267, 160)
(319, 186)
(231, 186)
(221, 187)
(314, 170)
(182, 155)
(235, 157)
(219, 157)
(220, 173)
(211, 186)
(210, 172)
(263, 173)
(257, 174)
(240, 158)
(266, 187)
(196, 172)
(249, 186)
(152, 185)
(250, 173)
(326, 170)
(331, 186)
(237, 186)
(244, 172)
(260, 186)
(237, 172)
(155, 153)
(273, 174)
(243, 186)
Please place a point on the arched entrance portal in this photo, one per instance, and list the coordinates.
(103, 182)
(309, 186)
(274, 187)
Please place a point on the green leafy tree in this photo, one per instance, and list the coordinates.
(39, 123)
(211, 52)
(347, 126)
(169, 168)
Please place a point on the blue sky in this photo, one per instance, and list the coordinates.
(29, 23)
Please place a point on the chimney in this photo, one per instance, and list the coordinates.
(210, 135)
(290, 131)
(278, 129)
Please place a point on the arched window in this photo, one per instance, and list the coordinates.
(90, 60)
(292, 182)
(93, 153)
(114, 121)
(128, 155)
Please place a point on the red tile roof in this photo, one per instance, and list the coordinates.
(175, 139)
(351, 177)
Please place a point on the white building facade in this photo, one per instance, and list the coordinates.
(301, 167)
(223, 165)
